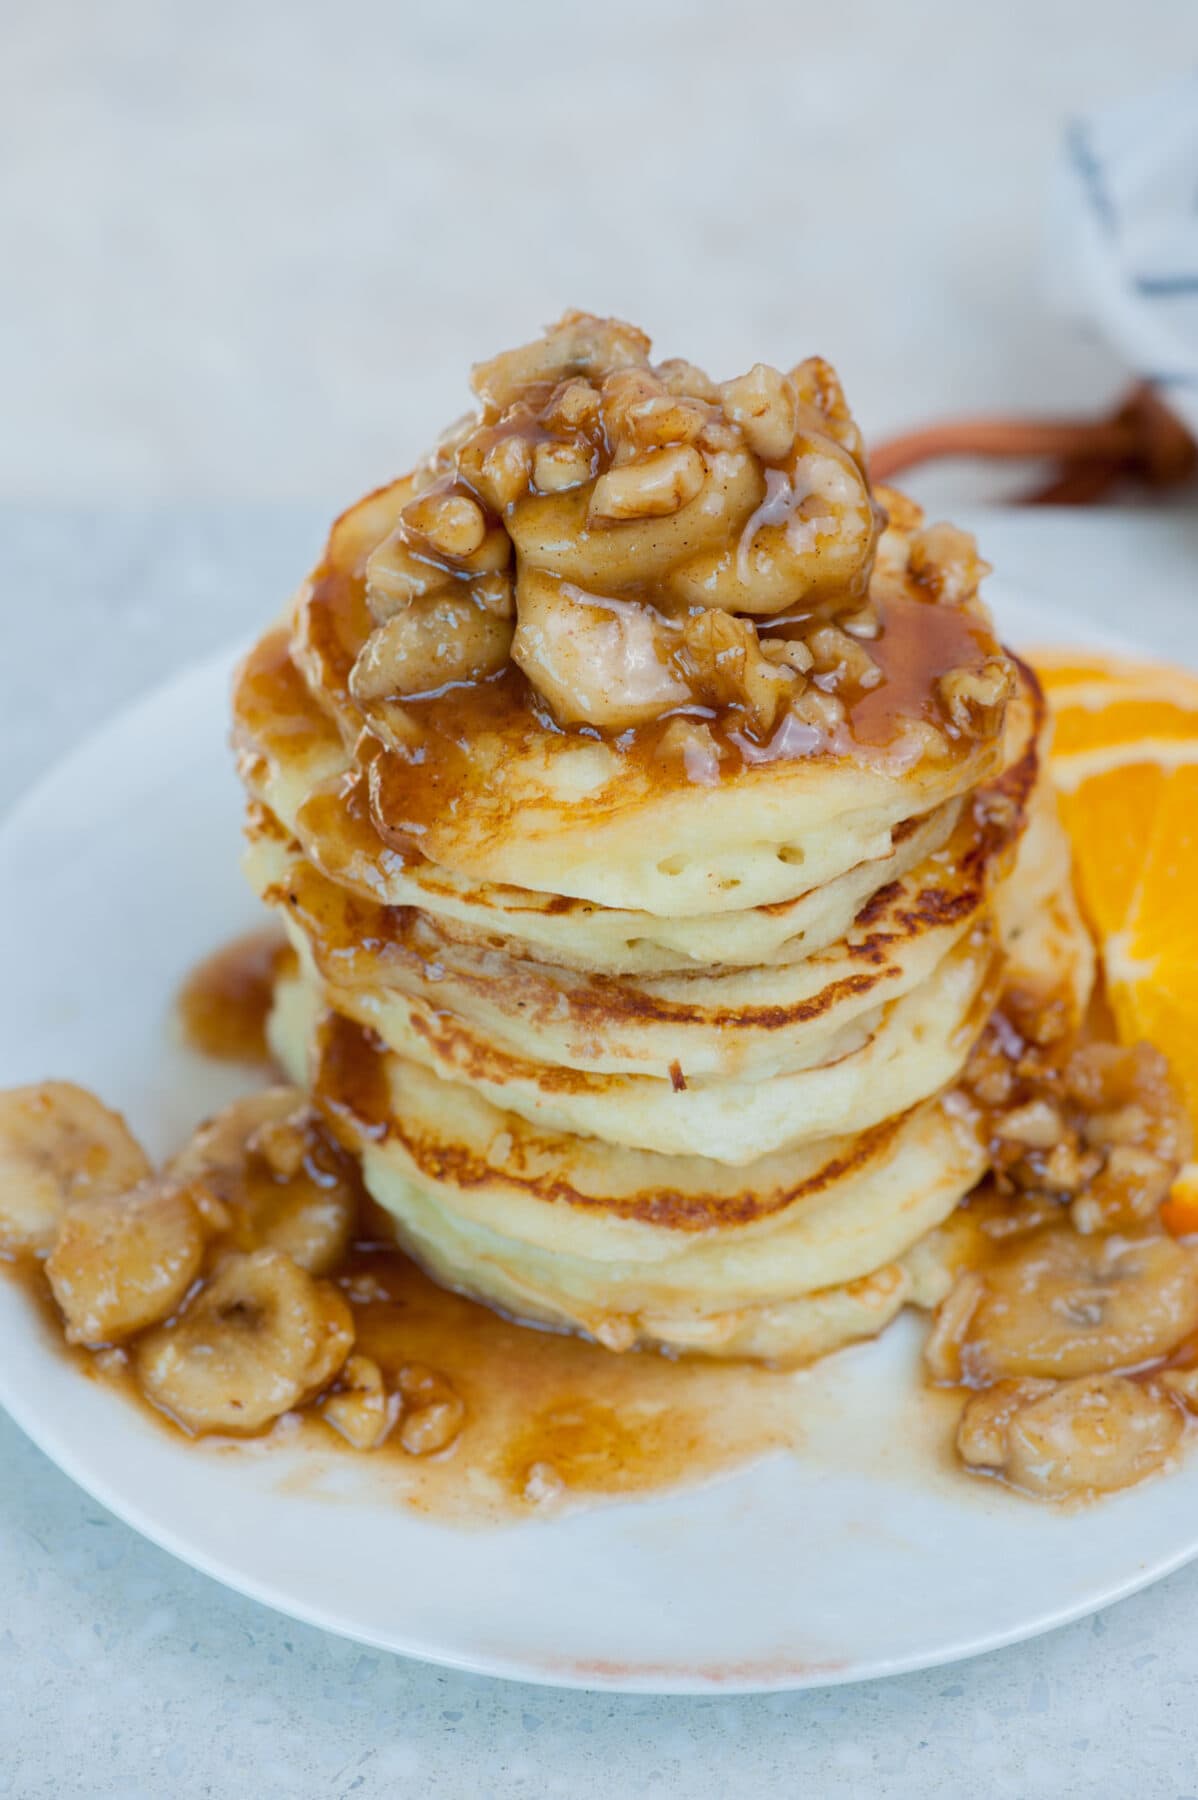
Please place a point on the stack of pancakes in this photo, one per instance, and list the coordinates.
(655, 1048)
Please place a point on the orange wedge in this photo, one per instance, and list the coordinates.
(1125, 759)
(1085, 678)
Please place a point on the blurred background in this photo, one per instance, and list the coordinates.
(251, 247)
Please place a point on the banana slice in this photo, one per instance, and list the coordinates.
(1056, 1440)
(260, 1339)
(284, 1184)
(123, 1262)
(1060, 1305)
(58, 1144)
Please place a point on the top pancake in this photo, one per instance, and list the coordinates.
(491, 795)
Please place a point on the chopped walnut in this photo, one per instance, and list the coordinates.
(623, 394)
(561, 465)
(500, 470)
(453, 524)
(825, 713)
(1066, 1169)
(945, 561)
(1036, 1124)
(579, 344)
(359, 1406)
(818, 390)
(575, 406)
(659, 420)
(835, 653)
(395, 577)
(864, 623)
(763, 404)
(975, 699)
(659, 483)
(1040, 1017)
(691, 742)
(1097, 1127)
(726, 667)
(1124, 1191)
(433, 1412)
(790, 653)
(678, 376)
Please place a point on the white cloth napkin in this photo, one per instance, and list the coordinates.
(1124, 258)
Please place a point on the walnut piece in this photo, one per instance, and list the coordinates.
(974, 699)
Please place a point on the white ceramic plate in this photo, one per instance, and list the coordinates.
(862, 1554)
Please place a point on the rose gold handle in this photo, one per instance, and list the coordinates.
(1141, 440)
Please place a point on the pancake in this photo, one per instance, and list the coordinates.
(725, 1021)
(333, 828)
(657, 821)
(574, 817)
(591, 1234)
(880, 1063)
(1048, 947)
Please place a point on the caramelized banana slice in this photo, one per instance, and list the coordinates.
(1061, 1305)
(261, 1338)
(441, 638)
(283, 1183)
(598, 662)
(812, 538)
(58, 1143)
(122, 1262)
(1086, 1436)
(557, 534)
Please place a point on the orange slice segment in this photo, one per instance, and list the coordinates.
(1125, 755)
(1106, 817)
(1124, 720)
(1163, 922)
(1085, 678)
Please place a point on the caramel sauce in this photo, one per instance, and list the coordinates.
(551, 1421)
(223, 1005)
(920, 641)
(467, 732)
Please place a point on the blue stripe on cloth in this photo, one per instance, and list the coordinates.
(1090, 172)
(1155, 287)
